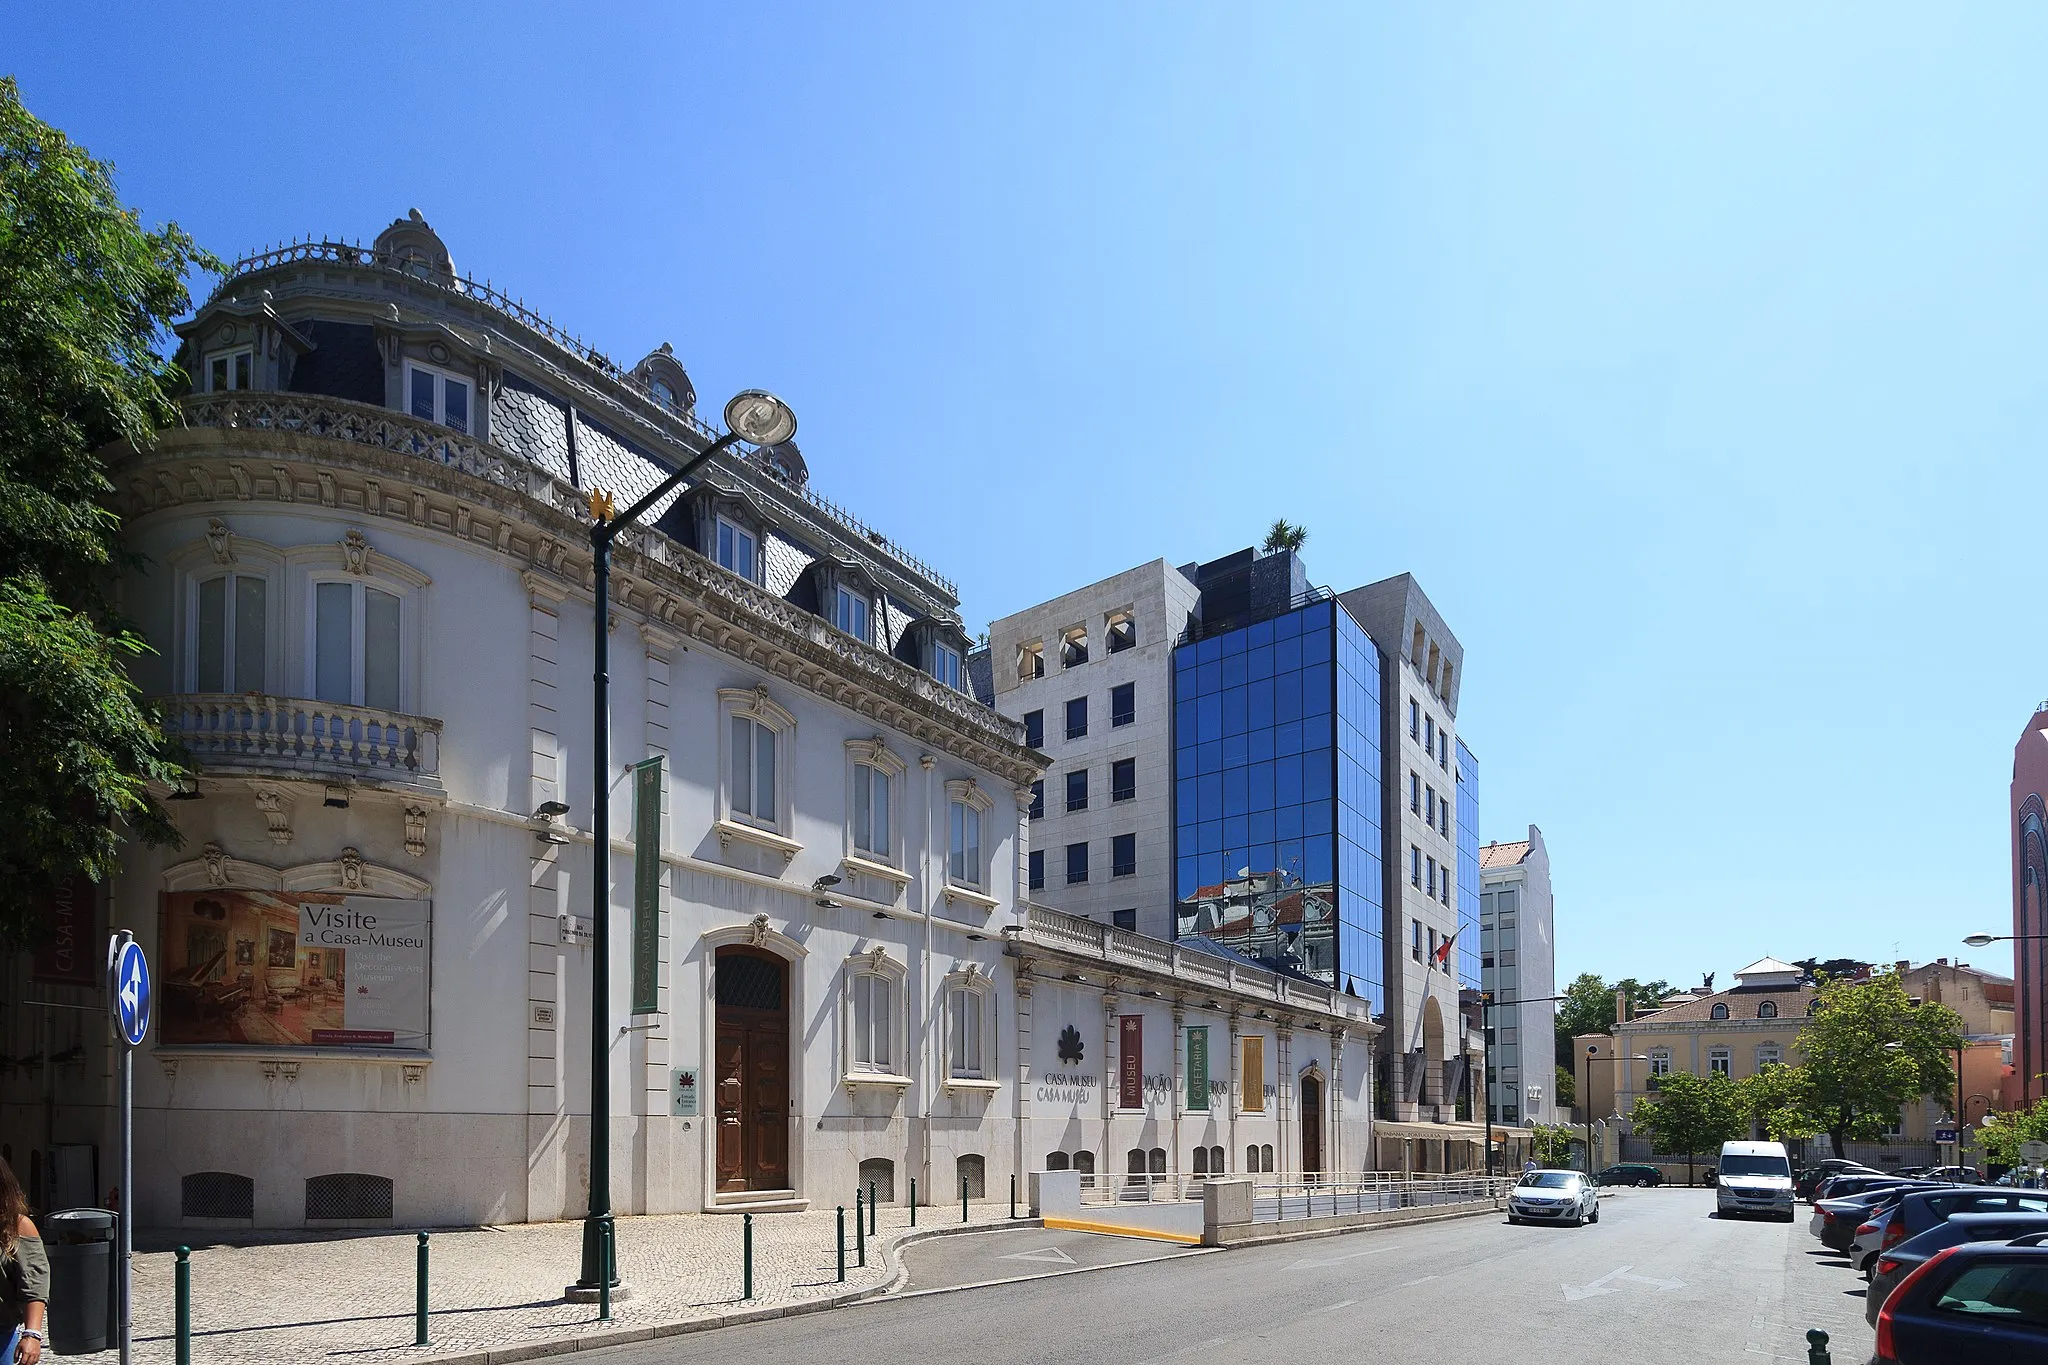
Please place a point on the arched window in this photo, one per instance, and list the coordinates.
(1056, 1161)
(1201, 1167)
(1767, 1010)
(1251, 1157)
(879, 1172)
(1158, 1155)
(1266, 1157)
(970, 1172)
(1216, 1164)
(1719, 1011)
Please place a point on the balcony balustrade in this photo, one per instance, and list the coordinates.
(319, 740)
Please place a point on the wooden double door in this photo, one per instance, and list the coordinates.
(1311, 1125)
(752, 1069)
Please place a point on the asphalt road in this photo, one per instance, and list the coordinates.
(1656, 1280)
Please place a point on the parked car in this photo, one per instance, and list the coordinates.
(1835, 1221)
(1895, 1263)
(1810, 1179)
(1961, 1175)
(1981, 1302)
(1847, 1186)
(1915, 1211)
(1629, 1173)
(1554, 1197)
(1754, 1177)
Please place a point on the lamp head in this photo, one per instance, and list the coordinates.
(1980, 940)
(759, 418)
(552, 810)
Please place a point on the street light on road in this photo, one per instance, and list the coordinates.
(761, 419)
(1986, 940)
(1593, 1055)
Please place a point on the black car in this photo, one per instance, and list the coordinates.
(1629, 1173)
(1902, 1260)
(1981, 1302)
(1812, 1178)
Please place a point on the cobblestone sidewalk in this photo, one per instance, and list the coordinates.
(497, 1289)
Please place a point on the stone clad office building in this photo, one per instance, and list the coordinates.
(368, 589)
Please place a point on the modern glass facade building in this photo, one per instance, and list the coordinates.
(1468, 868)
(1277, 795)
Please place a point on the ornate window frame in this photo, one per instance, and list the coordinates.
(218, 553)
(965, 791)
(354, 561)
(971, 980)
(754, 704)
(875, 964)
(886, 864)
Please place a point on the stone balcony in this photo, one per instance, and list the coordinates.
(253, 735)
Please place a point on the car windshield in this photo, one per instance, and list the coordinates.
(1754, 1165)
(1550, 1180)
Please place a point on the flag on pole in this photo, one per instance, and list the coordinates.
(1443, 950)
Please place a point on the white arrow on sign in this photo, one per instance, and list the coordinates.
(1310, 1262)
(1604, 1285)
(131, 989)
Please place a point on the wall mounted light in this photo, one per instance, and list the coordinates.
(337, 798)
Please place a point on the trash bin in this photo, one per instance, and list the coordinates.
(81, 1247)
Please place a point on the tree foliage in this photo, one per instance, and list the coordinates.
(1869, 1052)
(1588, 1007)
(1692, 1114)
(85, 297)
(1551, 1144)
(1779, 1099)
(1284, 535)
(2000, 1138)
(1567, 1087)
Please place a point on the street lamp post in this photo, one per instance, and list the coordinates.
(758, 418)
(1486, 1004)
(1593, 1055)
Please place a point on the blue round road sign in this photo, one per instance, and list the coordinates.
(131, 993)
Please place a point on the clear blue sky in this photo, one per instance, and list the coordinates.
(1691, 357)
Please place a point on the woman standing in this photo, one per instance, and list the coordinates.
(24, 1277)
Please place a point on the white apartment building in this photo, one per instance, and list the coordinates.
(1090, 676)
(1518, 963)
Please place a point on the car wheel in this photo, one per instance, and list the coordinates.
(1642, 1182)
(1595, 1215)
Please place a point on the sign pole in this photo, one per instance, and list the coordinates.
(128, 1000)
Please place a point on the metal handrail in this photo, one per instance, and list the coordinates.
(482, 291)
(1202, 630)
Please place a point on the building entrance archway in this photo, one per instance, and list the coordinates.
(752, 992)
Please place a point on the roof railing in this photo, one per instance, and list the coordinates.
(484, 292)
(1223, 625)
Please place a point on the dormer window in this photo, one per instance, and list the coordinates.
(663, 394)
(946, 665)
(736, 548)
(231, 371)
(850, 612)
(1767, 1010)
(1719, 1011)
(437, 396)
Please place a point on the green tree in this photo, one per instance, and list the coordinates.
(1691, 1114)
(1285, 535)
(1567, 1087)
(85, 297)
(1779, 1099)
(1551, 1144)
(1588, 1007)
(1870, 1051)
(2000, 1139)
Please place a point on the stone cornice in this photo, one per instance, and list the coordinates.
(380, 464)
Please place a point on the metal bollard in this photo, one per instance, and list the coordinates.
(871, 1209)
(1013, 1196)
(184, 1317)
(747, 1256)
(842, 1244)
(860, 1229)
(1817, 1348)
(913, 1201)
(606, 1260)
(419, 1294)
(963, 1198)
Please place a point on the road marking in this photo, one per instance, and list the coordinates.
(1412, 1283)
(1331, 1308)
(1573, 1293)
(1053, 1254)
(1309, 1262)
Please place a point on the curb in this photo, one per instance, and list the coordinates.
(1318, 1233)
(505, 1355)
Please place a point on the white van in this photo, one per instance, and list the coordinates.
(1755, 1177)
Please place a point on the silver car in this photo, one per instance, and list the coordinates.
(1554, 1197)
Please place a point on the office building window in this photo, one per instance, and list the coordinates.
(1034, 729)
(1444, 890)
(1429, 805)
(1038, 799)
(1429, 886)
(1443, 818)
(1443, 750)
(1077, 863)
(1074, 647)
(1414, 865)
(1123, 779)
(1415, 939)
(1414, 719)
(1077, 789)
(1122, 632)
(1077, 717)
(1123, 855)
(1123, 704)
(1037, 865)
(1414, 791)
(1127, 919)
(1429, 734)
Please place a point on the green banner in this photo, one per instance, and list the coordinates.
(1198, 1067)
(647, 887)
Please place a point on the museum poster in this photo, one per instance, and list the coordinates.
(1130, 1062)
(1198, 1067)
(293, 969)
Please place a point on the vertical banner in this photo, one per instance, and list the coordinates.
(1254, 1074)
(647, 886)
(69, 956)
(1130, 1062)
(1198, 1067)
